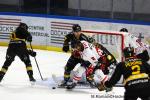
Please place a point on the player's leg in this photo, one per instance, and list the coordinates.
(100, 75)
(87, 65)
(71, 63)
(10, 55)
(24, 56)
(77, 77)
(89, 75)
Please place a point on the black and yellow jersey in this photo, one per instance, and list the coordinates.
(19, 34)
(71, 38)
(134, 71)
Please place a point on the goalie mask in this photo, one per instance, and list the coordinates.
(76, 28)
(128, 52)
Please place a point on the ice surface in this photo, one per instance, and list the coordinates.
(16, 85)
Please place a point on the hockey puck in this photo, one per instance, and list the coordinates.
(53, 87)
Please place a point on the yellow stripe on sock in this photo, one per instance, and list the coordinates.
(4, 70)
(66, 76)
(29, 68)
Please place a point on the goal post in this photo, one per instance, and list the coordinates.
(113, 41)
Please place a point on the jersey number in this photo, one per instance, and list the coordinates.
(135, 69)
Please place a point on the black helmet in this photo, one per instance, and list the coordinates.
(76, 28)
(23, 25)
(123, 30)
(128, 52)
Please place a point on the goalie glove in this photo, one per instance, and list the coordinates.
(32, 53)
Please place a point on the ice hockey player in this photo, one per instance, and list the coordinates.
(93, 55)
(73, 37)
(17, 47)
(136, 74)
(108, 63)
(141, 49)
(107, 59)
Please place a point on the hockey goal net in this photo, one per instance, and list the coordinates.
(113, 41)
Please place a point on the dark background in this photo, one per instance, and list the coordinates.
(136, 10)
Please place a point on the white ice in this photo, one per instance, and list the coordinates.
(16, 85)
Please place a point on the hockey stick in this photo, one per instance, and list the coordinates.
(36, 63)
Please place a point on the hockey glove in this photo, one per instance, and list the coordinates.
(32, 53)
(65, 48)
(29, 38)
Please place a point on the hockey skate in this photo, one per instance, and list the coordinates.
(31, 78)
(91, 81)
(71, 85)
(92, 84)
(63, 84)
(101, 87)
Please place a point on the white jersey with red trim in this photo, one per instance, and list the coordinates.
(91, 53)
(136, 43)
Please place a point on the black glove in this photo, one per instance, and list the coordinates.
(65, 48)
(32, 53)
(29, 38)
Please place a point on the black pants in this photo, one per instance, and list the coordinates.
(17, 49)
(141, 90)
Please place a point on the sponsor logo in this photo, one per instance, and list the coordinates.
(59, 30)
(7, 25)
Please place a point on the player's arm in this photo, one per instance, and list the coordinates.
(144, 55)
(29, 37)
(147, 67)
(110, 57)
(66, 43)
(115, 77)
(85, 38)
